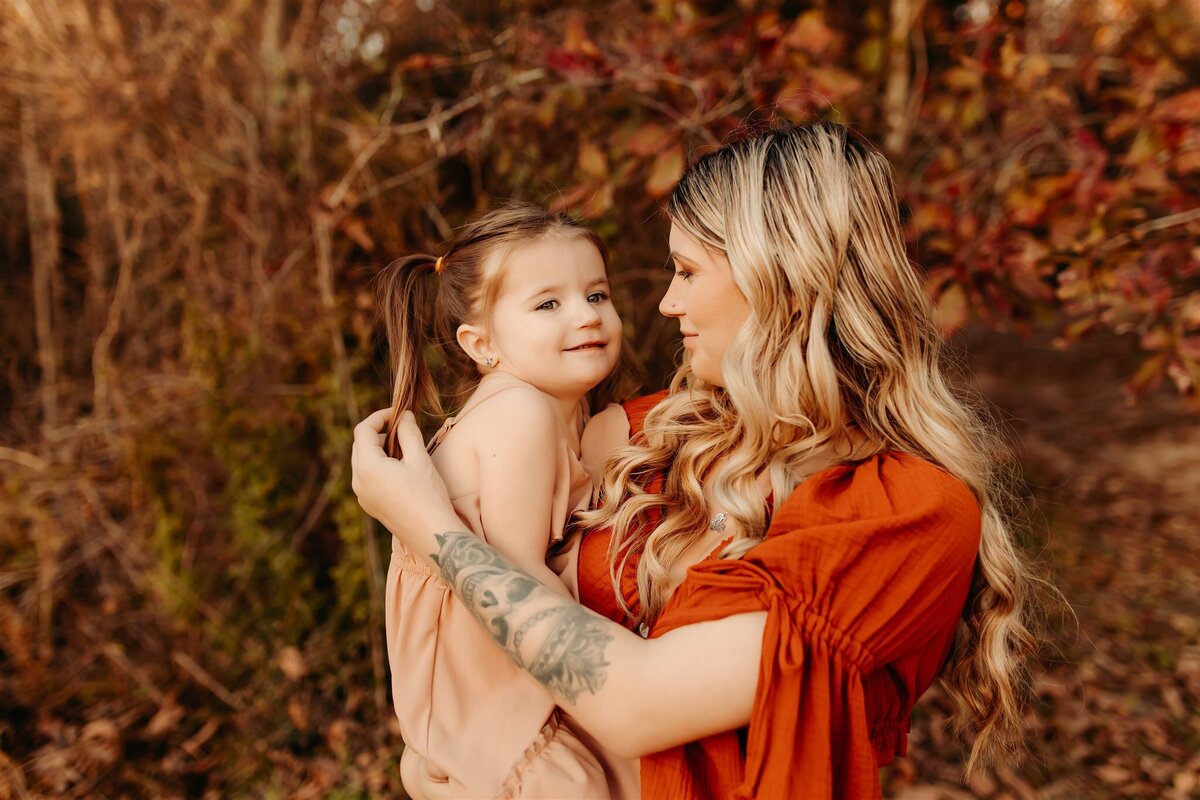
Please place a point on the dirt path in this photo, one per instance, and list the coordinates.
(1116, 502)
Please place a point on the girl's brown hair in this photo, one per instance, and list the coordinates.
(470, 276)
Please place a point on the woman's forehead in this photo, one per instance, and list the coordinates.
(685, 245)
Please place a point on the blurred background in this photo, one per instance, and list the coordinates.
(195, 195)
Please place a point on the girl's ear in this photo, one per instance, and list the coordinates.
(474, 341)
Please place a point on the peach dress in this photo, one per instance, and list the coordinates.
(474, 725)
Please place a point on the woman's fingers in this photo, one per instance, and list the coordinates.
(408, 435)
(367, 436)
(378, 420)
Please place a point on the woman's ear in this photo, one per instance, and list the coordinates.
(475, 343)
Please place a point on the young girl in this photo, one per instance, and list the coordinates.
(522, 300)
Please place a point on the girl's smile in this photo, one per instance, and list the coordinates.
(554, 324)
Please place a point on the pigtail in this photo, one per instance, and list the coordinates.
(402, 298)
(465, 291)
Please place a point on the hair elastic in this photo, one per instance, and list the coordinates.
(437, 265)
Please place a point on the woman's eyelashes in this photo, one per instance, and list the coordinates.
(677, 271)
(595, 298)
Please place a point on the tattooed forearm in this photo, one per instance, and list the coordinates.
(555, 640)
(571, 657)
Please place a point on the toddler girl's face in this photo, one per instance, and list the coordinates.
(554, 325)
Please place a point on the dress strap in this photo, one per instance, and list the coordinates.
(450, 422)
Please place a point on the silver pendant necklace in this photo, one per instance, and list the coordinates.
(717, 523)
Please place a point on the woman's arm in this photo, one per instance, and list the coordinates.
(636, 696)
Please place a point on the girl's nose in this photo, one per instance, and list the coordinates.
(589, 316)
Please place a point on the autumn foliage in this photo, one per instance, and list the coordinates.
(197, 194)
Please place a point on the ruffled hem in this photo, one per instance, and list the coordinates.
(889, 741)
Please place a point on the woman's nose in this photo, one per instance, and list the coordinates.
(671, 305)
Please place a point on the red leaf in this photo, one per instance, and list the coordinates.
(423, 61)
(810, 34)
(951, 306)
(570, 64)
(592, 161)
(1183, 107)
(648, 140)
(665, 172)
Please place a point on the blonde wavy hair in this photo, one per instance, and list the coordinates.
(840, 345)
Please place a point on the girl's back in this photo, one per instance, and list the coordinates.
(461, 704)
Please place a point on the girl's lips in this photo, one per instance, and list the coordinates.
(588, 346)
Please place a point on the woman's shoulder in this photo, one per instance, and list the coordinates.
(894, 489)
(604, 432)
(889, 514)
(637, 409)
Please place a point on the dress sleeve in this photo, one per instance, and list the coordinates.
(862, 565)
(637, 409)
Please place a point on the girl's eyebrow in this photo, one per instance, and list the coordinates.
(557, 288)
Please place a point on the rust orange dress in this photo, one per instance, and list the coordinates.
(864, 574)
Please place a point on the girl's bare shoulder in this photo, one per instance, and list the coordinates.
(519, 413)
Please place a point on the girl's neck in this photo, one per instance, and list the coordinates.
(568, 409)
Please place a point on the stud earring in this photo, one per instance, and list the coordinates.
(491, 362)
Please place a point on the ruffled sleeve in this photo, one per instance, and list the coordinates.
(864, 565)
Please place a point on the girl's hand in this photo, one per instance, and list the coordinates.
(407, 495)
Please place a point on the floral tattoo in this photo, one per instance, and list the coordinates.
(557, 641)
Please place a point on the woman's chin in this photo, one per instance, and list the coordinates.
(699, 368)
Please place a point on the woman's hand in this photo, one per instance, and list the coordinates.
(407, 495)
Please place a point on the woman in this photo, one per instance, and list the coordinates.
(833, 500)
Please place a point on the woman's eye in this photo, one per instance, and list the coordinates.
(677, 271)
(597, 297)
(549, 305)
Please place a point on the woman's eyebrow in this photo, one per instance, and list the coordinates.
(680, 257)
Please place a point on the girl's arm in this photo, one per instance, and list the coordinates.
(518, 468)
(636, 696)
